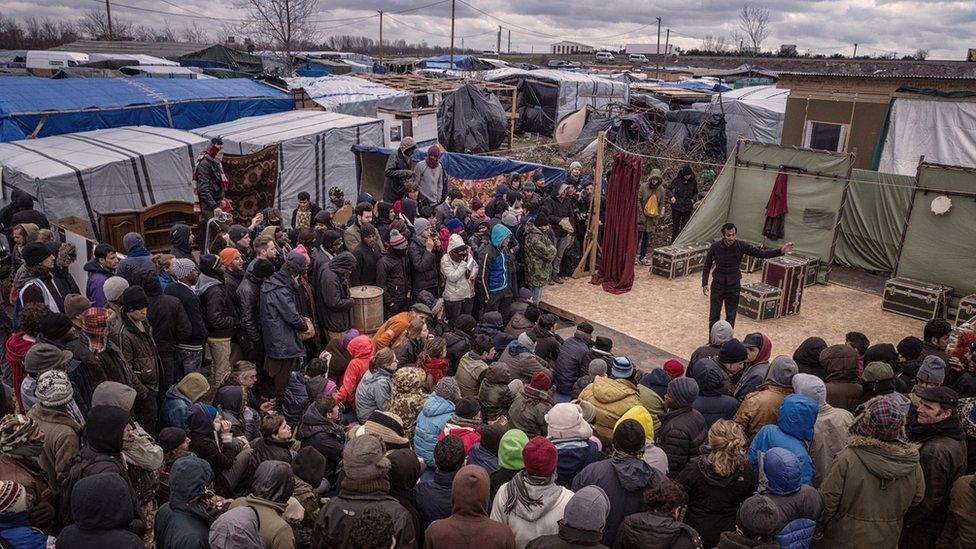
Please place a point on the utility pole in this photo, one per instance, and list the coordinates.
(855, 51)
(381, 36)
(509, 50)
(452, 35)
(667, 41)
(657, 60)
(108, 14)
(498, 45)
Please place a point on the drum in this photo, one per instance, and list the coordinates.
(367, 311)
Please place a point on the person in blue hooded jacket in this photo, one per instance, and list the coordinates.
(712, 401)
(434, 415)
(800, 504)
(792, 431)
(494, 268)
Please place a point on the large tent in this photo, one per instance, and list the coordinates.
(755, 113)
(41, 107)
(102, 170)
(352, 95)
(316, 149)
(546, 96)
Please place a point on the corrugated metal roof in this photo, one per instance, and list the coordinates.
(879, 74)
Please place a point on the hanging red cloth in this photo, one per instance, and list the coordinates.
(616, 271)
(776, 209)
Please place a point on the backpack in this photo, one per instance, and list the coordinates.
(651, 207)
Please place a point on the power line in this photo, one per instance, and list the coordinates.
(191, 15)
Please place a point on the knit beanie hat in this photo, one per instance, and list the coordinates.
(363, 458)
(296, 262)
(622, 368)
(491, 437)
(236, 232)
(781, 371)
(181, 268)
(388, 427)
(309, 465)
(597, 367)
(75, 304)
(228, 255)
(877, 371)
(467, 407)
(565, 421)
(510, 450)
(54, 326)
(447, 388)
(170, 438)
(34, 254)
(53, 389)
(397, 240)
(454, 225)
(588, 509)
(193, 385)
(684, 391)
(732, 352)
(759, 518)
(629, 437)
(14, 498)
(419, 225)
(540, 381)
(114, 286)
(262, 269)
(42, 357)
(133, 299)
(932, 370)
(720, 333)
(674, 368)
(540, 457)
(603, 344)
(882, 352)
(910, 347)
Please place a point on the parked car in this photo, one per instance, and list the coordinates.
(490, 53)
(604, 57)
(563, 64)
(637, 58)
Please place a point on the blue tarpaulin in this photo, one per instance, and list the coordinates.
(461, 63)
(698, 85)
(83, 104)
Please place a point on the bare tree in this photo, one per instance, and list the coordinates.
(95, 25)
(194, 32)
(921, 54)
(714, 44)
(754, 24)
(285, 25)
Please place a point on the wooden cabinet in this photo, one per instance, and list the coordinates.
(153, 223)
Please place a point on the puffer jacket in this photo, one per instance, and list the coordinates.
(328, 437)
(391, 275)
(494, 395)
(843, 389)
(457, 276)
(529, 523)
(373, 393)
(792, 431)
(97, 275)
(280, 320)
(547, 343)
(175, 408)
(761, 408)
(712, 402)
(210, 187)
(681, 436)
(797, 534)
(140, 354)
(572, 361)
(529, 415)
(714, 500)
(249, 311)
(218, 309)
(522, 362)
(423, 267)
(683, 191)
(611, 398)
(407, 397)
(624, 480)
(799, 504)
(867, 492)
(361, 350)
(434, 415)
(649, 529)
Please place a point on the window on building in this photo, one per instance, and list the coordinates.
(825, 136)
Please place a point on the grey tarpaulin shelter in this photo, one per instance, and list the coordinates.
(316, 148)
(815, 192)
(352, 95)
(77, 174)
(755, 113)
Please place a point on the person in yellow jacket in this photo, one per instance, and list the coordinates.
(612, 396)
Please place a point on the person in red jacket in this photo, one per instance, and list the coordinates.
(19, 343)
(361, 351)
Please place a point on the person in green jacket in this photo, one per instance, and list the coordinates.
(648, 215)
(539, 254)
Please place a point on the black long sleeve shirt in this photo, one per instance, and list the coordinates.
(727, 259)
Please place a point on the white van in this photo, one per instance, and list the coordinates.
(54, 60)
(637, 58)
(604, 56)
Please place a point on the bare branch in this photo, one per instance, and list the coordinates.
(754, 24)
(283, 25)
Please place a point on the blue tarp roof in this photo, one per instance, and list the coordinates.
(472, 166)
(83, 104)
(699, 86)
(461, 63)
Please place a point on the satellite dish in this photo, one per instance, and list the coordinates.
(941, 205)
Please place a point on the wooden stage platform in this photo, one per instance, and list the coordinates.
(671, 316)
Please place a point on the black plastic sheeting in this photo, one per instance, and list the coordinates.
(697, 131)
(471, 120)
(622, 131)
(537, 103)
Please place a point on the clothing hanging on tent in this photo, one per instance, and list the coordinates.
(616, 271)
(776, 209)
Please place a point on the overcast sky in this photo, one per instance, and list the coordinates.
(945, 28)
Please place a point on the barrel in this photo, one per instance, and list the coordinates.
(367, 309)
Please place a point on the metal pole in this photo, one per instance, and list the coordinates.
(452, 35)
(381, 36)
(498, 45)
(509, 41)
(108, 14)
(855, 51)
(657, 60)
(667, 41)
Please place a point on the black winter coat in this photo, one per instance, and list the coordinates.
(649, 529)
(458, 343)
(365, 272)
(391, 275)
(568, 538)
(193, 309)
(572, 362)
(98, 525)
(424, 268)
(682, 433)
(218, 310)
(624, 481)
(713, 500)
(333, 304)
(168, 319)
(399, 168)
(249, 309)
(683, 191)
(326, 436)
(210, 185)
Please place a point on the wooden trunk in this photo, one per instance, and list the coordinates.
(696, 256)
(966, 310)
(749, 263)
(760, 301)
(670, 261)
(916, 299)
(788, 274)
(812, 268)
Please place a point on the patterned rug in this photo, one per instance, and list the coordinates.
(253, 182)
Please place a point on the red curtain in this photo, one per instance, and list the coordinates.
(616, 271)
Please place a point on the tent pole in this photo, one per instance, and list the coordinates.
(908, 216)
(587, 264)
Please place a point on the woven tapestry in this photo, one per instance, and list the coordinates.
(252, 180)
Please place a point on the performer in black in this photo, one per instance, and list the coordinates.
(726, 255)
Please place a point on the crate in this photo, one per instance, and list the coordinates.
(787, 273)
(749, 263)
(696, 256)
(760, 301)
(916, 298)
(670, 261)
(966, 310)
(812, 268)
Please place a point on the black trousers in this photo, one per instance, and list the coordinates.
(678, 222)
(723, 294)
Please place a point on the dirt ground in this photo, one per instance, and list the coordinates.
(672, 315)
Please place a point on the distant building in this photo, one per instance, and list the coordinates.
(566, 47)
(644, 49)
(787, 50)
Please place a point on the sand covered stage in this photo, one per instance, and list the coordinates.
(672, 315)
